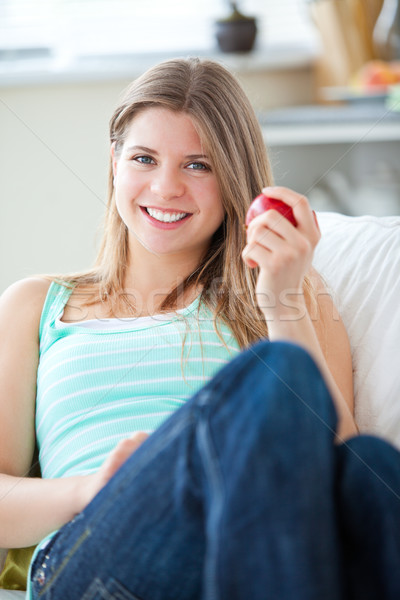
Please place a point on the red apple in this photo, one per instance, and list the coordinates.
(263, 203)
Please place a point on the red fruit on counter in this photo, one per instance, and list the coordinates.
(263, 203)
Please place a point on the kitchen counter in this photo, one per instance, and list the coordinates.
(328, 124)
(343, 157)
(38, 68)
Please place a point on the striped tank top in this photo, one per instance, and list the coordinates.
(98, 385)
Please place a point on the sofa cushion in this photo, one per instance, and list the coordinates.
(359, 258)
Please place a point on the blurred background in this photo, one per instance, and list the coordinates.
(323, 77)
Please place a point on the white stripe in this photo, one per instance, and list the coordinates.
(124, 351)
(84, 433)
(72, 419)
(97, 339)
(87, 372)
(129, 368)
(139, 336)
(100, 341)
(141, 348)
(116, 386)
(100, 441)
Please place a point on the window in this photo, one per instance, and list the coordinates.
(93, 27)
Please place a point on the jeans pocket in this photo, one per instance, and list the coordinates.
(47, 560)
(111, 590)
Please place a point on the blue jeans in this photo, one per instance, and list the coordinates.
(241, 493)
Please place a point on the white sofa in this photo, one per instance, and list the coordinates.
(359, 258)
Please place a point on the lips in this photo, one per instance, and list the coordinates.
(166, 216)
(165, 219)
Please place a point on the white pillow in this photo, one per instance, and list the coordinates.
(359, 258)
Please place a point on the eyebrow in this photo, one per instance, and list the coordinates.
(152, 151)
(142, 149)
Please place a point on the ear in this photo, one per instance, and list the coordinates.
(113, 158)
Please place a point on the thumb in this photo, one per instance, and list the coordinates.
(138, 438)
(122, 452)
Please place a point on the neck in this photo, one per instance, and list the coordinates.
(150, 281)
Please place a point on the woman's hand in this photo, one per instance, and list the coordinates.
(123, 450)
(283, 252)
(33, 507)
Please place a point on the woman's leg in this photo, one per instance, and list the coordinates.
(324, 521)
(232, 497)
(269, 447)
(368, 489)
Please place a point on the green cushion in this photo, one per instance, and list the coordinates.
(16, 566)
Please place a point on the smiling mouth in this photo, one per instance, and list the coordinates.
(166, 217)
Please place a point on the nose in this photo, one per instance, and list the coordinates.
(167, 183)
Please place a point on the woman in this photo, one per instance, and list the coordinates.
(234, 493)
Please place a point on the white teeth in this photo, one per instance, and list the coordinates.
(165, 217)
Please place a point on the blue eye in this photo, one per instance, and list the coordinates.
(144, 160)
(198, 166)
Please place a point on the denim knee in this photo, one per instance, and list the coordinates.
(276, 383)
(372, 464)
(368, 504)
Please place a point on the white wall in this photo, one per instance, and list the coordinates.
(53, 166)
(54, 156)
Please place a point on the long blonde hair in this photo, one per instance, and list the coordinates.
(232, 137)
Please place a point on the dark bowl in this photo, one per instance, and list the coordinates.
(236, 36)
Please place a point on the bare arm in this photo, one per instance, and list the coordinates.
(31, 508)
(20, 310)
(335, 347)
(27, 509)
(284, 254)
(322, 333)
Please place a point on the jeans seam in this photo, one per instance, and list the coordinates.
(65, 560)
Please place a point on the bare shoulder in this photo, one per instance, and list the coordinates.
(25, 288)
(20, 311)
(24, 299)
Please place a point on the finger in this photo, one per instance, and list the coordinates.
(271, 225)
(255, 255)
(249, 261)
(138, 438)
(300, 206)
(142, 435)
(123, 450)
(316, 220)
(127, 446)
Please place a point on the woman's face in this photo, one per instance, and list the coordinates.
(165, 189)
